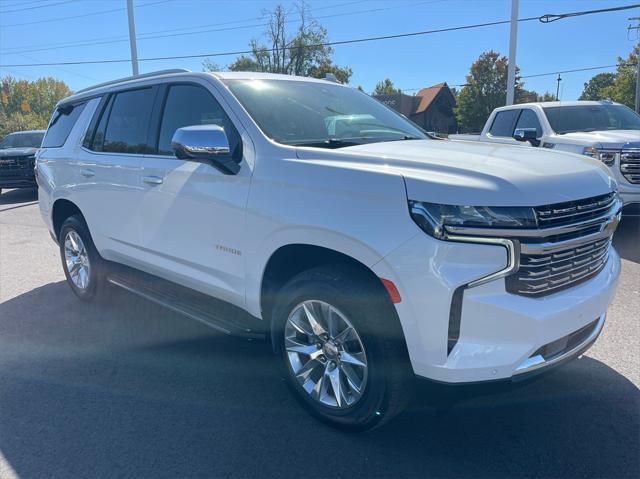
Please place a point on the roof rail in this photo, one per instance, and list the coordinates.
(135, 77)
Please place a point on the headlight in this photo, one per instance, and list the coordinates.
(433, 218)
(607, 157)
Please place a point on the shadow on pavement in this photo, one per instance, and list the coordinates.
(134, 390)
(21, 195)
(627, 238)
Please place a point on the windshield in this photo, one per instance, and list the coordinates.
(22, 140)
(569, 119)
(320, 114)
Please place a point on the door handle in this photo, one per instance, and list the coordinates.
(152, 180)
(87, 172)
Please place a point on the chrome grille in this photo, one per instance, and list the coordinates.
(570, 244)
(542, 274)
(630, 165)
(571, 212)
(15, 162)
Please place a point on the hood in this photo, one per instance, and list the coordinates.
(18, 152)
(614, 139)
(480, 174)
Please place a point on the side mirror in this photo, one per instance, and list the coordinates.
(205, 144)
(527, 134)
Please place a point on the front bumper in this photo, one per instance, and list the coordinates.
(17, 180)
(628, 193)
(499, 332)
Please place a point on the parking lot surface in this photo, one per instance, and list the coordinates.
(133, 390)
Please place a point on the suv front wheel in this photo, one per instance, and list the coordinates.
(341, 348)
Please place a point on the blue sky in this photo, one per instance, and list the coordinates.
(410, 62)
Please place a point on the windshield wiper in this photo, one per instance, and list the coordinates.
(405, 137)
(343, 142)
(329, 143)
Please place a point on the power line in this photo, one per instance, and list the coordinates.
(550, 17)
(245, 52)
(160, 34)
(37, 6)
(21, 2)
(602, 67)
(70, 17)
(317, 45)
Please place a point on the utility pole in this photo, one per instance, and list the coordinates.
(559, 79)
(132, 38)
(513, 40)
(637, 28)
(638, 81)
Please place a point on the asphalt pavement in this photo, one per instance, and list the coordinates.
(133, 390)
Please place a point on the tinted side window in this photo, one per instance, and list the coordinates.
(62, 122)
(189, 105)
(504, 122)
(98, 140)
(528, 119)
(128, 122)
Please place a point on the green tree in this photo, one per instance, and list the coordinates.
(623, 89)
(342, 74)
(486, 89)
(546, 96)
(385, 87)
(302, 53)
(593, 89)
(210, 66)
(28, 105)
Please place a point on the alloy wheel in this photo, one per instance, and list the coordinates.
(326, 354)
(76, 259)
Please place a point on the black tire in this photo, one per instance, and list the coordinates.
(97, 287)
(364, 301)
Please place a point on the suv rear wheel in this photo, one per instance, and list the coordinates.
(82, 265)
(341, 348)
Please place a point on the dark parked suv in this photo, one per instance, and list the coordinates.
(17, 159)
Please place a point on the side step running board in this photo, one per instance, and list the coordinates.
(217, 314)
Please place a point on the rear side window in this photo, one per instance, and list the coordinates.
(62, 122)
(190, 105)
(528, 119)
(125, 122)
(504, 123)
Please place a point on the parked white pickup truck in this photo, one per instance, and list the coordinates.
(600, 129)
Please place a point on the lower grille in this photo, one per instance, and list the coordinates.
(560, 346)
(543, 274)
(630, 165)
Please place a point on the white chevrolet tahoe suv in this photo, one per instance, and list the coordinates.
(607, 131)
(308, 213)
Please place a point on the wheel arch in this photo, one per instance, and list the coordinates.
(60, 211)
(291, 259)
